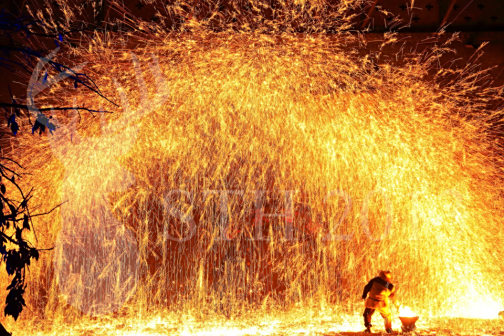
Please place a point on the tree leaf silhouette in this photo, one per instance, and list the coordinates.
(13, 210)
(26, 222)
(11, 122)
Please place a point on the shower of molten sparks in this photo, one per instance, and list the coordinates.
(397, 172)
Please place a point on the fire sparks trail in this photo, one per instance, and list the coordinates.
(378, 165)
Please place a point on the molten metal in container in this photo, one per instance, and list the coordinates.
(408, 319)
(408, 323)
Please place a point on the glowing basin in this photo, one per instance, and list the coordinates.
(408, 318)
(408, 323)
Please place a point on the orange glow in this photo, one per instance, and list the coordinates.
(391, 169)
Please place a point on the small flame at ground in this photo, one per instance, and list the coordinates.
(405, 311)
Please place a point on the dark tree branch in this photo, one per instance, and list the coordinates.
(78, 78)
(10, 160)
(36, 109)
(48, 212)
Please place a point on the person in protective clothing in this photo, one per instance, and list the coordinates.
(377, 293)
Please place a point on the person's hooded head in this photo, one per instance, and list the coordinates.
(386, 275)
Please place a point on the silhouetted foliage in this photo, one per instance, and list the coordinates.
(16, 252)
(18, 56)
